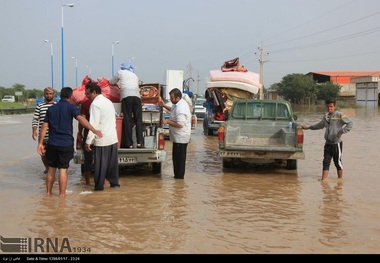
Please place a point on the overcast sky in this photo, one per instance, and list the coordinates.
(195, 36)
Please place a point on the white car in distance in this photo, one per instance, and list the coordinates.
(8, 98)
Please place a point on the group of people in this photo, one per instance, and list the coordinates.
(97, 131)
(58, 150)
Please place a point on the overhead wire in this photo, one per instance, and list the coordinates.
(308, 22)
(320, 43)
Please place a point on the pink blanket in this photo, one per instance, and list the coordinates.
(248, 77)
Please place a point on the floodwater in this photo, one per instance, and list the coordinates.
(243, 210)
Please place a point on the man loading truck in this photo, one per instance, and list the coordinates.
(130, 104)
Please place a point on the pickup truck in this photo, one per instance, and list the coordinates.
(261, 132)
(153, 153)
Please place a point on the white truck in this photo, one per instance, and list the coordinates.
(154, 142)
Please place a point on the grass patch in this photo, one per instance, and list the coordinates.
(16, 105)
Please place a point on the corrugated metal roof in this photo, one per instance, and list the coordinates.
(347, 73)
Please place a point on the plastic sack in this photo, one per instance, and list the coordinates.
(112, 92)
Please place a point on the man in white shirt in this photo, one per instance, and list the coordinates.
(179, 130)
(103, 117)
(130, 104)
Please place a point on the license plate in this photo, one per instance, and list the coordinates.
(127, 160)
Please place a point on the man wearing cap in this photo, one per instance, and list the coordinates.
(38, 120)
(130, 104)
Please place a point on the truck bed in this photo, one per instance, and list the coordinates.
(241, 135)
(261, 132)
(153, 153)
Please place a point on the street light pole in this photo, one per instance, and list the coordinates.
(113, 43)
(62, 40)
(76, 71)
(51, 61)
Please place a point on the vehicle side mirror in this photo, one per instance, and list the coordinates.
(295, 117)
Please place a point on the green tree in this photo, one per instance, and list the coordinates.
(296, 87)
(34, 93)
(18, 87)
(328, 90)
(274, 86)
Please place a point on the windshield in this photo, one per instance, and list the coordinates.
(261, 110)
(199, 102)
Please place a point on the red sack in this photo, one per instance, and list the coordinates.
(78, 95)
(108, 91)
(85, 80)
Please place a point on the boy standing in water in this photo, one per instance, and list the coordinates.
(336, 124)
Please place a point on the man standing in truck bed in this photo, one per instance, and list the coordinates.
(130, 104)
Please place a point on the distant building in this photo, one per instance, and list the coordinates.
(367, 90)
(272, 95)
(357, 86)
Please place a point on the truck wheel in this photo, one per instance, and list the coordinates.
(227, 163)
(156, 168)
(291, 164)
(210, 131)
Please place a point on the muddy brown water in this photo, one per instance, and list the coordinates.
(244, 210)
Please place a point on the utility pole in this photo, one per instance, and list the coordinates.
(262, 61)
(198, 81)
(190, 70)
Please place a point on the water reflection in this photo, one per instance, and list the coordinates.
(331, 212)
(253, 209)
